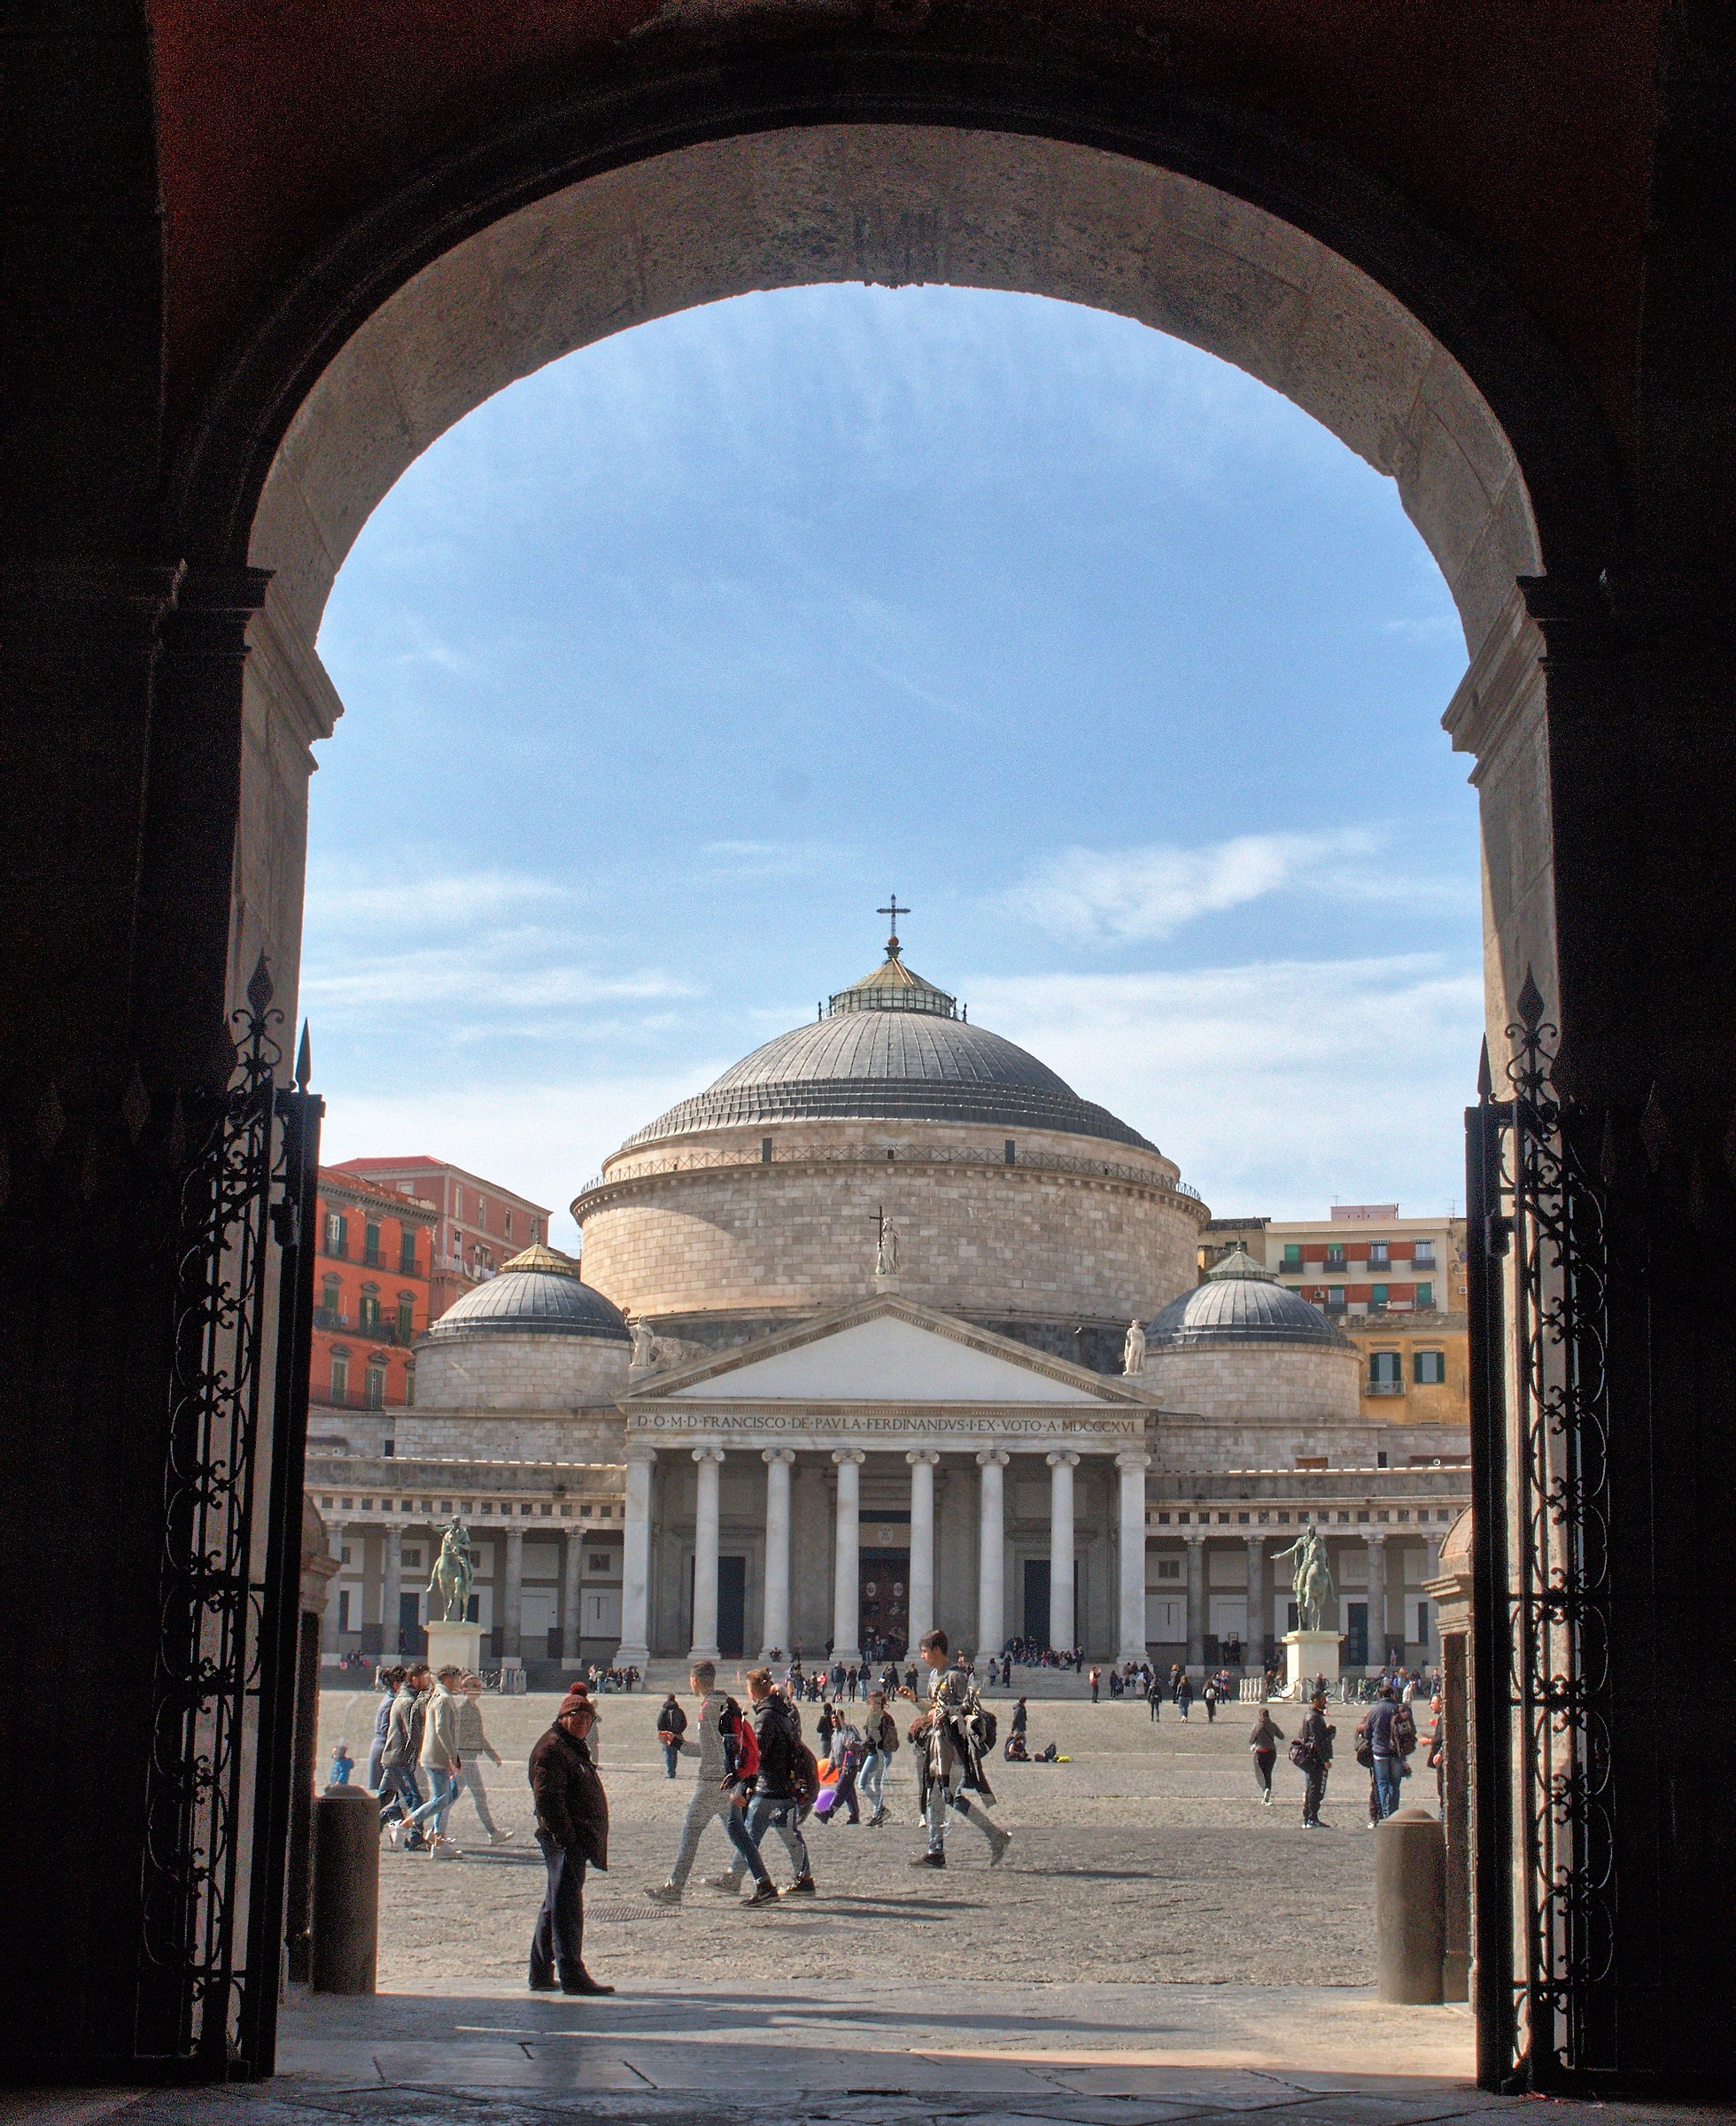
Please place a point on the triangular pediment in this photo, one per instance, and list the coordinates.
(890, 1350)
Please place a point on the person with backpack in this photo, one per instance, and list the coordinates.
(1209, 1696)
(879, 1737)
(718, 1791)
(672, 1726)
(785, 1787)
(1312, 1755)
(954, 1733)
(1378, 1748)
(1154, 1694)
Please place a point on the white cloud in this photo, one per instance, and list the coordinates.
(1278, 1086)
(340, 897)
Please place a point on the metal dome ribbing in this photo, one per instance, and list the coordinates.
(1239, 1303)
(537, 1291)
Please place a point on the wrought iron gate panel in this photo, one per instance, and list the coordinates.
(216, 1800)
(1539, 1298)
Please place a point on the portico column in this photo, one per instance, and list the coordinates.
(847, 1577)
(1061, 1466)
(777, 1461)
(1377, 1602)
(1254, 1652)
(1195, 1599)
(392, 1581)
(922, 1460)
(1133, 1468)
(573, 1625)
(513, 1599)
(634, 1651)
(704, 1647)
(991, 1552)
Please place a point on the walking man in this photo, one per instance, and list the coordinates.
(440, 1757)
(473, 1746)
(716, 1798)
(952, 1757)
(772, 1804)
(672, 1726)
(572, 1829)
(1379, 1725)
(403, 1748)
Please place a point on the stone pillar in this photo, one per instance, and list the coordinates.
(922, 1462)
(710, 1461)
(512, 1599)
(1253, 1654)
(1061, 1621)
(634, 1652)
(777, 1461)
(991, 1551)
(1195, 1599)
(391, 1583)
(1133, 1468)
(572, 1594)
(1377, 1600)
(847, 1573)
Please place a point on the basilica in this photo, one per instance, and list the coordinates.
(887, 1327)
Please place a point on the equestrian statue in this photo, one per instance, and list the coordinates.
(455, 1572)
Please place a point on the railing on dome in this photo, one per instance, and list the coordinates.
(919, 997)
(1054, 1162)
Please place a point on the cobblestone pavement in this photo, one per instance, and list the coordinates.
(1148, 1858)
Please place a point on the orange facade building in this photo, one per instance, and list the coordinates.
(370, 1292)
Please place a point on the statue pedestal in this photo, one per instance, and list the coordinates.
(1308, 1655)
(453, 1646)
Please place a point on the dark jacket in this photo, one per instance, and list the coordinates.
(670, 1719)
(1317, 1732)
(571, 1806)
(777, 1732)
(1378, 1727)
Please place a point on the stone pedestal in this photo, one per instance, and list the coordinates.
(1308, 1655)
(454, 1646)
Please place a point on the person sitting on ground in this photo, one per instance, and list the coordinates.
(1016, 1752)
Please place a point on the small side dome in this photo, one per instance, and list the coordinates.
(1240, 1303)
(539, 1291)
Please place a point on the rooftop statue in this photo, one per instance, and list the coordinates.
(1133, 1352)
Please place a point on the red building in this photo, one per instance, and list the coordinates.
(370, 1292)
(478, 1225)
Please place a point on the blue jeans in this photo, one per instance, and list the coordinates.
(671, 1757)
(445, 1792)
(400, 1793)
(1387, 1777)
(765, 1811)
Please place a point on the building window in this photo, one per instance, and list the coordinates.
(340, 1375)
(1425, 1254)
(1335, 1298)
(407, 1317)
(370, 1244)
(1386, 1373)
(337, 1234)
(536, 1232)
(1377, 1297)
(1425, 1295)
(368, 1320)
(406, 1254)
(1013, 1152)
(1430, 1368)
(376, 1384)
(1335, 1254)
(409, 1394)
(331, 1297)
(509, 1225)
(1292, 1257)
(1378, 1258)
(765, 1150)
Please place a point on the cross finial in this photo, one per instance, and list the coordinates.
(895, 912)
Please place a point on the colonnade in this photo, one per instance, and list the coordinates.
(847, 1461)
(508, 1583)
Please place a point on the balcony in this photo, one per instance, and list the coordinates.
(386, 1330)
(1384, 1387)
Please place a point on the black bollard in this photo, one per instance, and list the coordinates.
(1410, 1907)
(346, 1890)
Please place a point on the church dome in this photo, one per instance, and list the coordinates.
(537, 1291)
(1238, 1303)
(891, 1047)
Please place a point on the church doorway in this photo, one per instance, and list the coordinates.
(885, 1605)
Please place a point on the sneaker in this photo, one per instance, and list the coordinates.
(502, 1837)
(393, 1829)
(663, 1893)
(804, 1888)
(721, 1881)
(1266, 1800)
(997, 1850)
(765, 1893)
(929, 1860)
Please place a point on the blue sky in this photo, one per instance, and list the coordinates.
(666, 665)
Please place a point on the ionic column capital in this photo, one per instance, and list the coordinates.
(1133, 1459)
(707, 1454)
(1195, 1535)
(923, 1453)
(998, 1455)
(786, 1455)
(841, 1454)
(1064, 1456)
(644, 1455)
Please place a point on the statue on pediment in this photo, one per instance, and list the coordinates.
(1133, 1352)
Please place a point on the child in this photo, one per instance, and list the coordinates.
(342, 1765)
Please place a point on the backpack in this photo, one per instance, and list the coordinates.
(739, 1742)
(988, 1728)
(804, 1776)
(889, 1737)
(1302, 1755)
(1404, 1731)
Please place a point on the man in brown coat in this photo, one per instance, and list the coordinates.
(572, 1828)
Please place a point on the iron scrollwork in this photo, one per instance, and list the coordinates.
(217, 1798)
(1540, 1439)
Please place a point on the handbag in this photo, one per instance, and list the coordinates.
(1302, 1755)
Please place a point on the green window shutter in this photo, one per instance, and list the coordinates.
(1425, 1296)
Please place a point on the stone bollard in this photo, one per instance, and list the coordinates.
(1410, 1907)
(346, 1890)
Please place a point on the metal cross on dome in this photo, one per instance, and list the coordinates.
(895, 912)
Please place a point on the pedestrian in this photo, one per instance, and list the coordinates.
(1184, 1696)
(572, 1829)
(473, 1746)
(1154, 1694)
(1209, 1696)
(1377, 1747)
(402, 1752)
(672, 1726)
(879, 1738)
(440, 1757)
(953, 1736)
(1096, 1682)
(774, 1803)
(389, 1679)
(342, 1765)
(828, 1723)
(847, 1763)
(1264, 1742)
(1021, 1719)
(1437, 1757)
(716, 1795)
(1315, 1762)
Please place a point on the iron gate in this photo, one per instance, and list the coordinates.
(1543, 1685)
(218, 1797)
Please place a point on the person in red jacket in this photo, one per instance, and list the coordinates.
(572, 1829)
